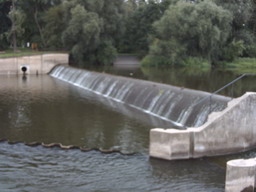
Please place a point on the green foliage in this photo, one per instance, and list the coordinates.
(17, 17)
(5, 23)
(198, 30)
(164, 53)
(35, 11)
(82, 34)
(249, 42)
(106, 53)
(195, 62)
(233, 50)
(139, 27)
(241, 10)
(243, 24)
(93, 30)
(54, 27)
(244, 64)
(4, 43)
(168, 32)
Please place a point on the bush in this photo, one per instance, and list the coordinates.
(195, 62)
(156, 61)
(233, 50)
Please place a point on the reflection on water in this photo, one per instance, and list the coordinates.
(43, 109)
(46, 110)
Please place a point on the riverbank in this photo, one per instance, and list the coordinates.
(25, 52)
(240, 65)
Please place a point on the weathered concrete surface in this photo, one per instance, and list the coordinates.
(36, 64)
(229, 131)
(240, 175)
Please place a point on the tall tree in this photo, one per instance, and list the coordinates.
(5, 22)
(139, 27)
(35, 11)
(82, 34)
(107, 19)
(17, 18)
(55, 25)
(242, 11)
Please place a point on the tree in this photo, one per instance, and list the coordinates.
(102, 22)
(5, 22)
(17, 18)
(241, 9)
(35, 11)
(55, 25)
(82, 34)
(242, 24)
(190, 30)
(139, 27)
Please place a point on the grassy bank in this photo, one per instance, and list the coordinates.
(243, 62)
(241, 65)
(24, 52)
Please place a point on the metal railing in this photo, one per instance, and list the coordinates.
(224, 87)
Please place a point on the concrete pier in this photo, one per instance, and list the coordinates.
(35, 64)
(240, 175)
(229, 131)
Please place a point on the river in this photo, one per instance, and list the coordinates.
(44, 109)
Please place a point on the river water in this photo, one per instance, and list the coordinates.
(43, 109)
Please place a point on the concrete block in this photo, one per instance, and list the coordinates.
(240, 175)
(170, 144)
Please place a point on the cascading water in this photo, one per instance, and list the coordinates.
(180, 106)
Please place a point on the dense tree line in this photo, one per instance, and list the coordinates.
(167, 32)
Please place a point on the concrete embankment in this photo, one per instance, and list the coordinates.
(229, 131)
(35, 64)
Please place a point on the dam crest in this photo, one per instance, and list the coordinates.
(179, 106)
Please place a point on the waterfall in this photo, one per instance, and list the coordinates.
(182, 107)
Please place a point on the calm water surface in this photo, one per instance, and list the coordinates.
(205, 79)
(43, 109)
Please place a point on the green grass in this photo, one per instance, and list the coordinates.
(23, 52)
(241, 65)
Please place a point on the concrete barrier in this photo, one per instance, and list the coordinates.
(229, 131)
(240, 175)
(36, 64)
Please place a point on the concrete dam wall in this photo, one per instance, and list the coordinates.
(229, 131)
(181, 107)
(35, 64)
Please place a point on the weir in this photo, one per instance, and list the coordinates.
(215, 125)
(180, 106)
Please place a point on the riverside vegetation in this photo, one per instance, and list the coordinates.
(162, 32)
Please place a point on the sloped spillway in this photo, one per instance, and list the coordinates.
(182, 107)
